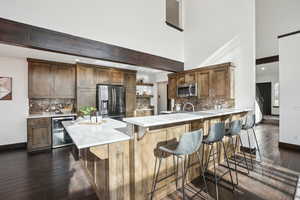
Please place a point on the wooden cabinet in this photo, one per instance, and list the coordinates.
(50, 79)
(130, 102)
(216, 81)
(130, 80)
(39, 134)
(181, 79)
(86, 97)
(190, 77)
(172, 87)
(101, 76)
(85, 76)
(116, 77)
(64, 82)
(204, 84)
(40, 81)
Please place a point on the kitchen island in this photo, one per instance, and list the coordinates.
(123, 167)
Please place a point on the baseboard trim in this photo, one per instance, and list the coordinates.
(10, 147)
(248, 150)
(289, 146)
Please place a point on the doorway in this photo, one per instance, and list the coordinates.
(264, 95)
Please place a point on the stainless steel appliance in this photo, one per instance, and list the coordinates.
(187, 90)
(111, 101)
(60, 137)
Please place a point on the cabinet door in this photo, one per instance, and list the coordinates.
(38, 134)
(172, 87)
(203, 82)
(130, 80)
(181, 79)
(220, 82)
(130, 102)
(101, 76)
(190, 77)
(40, 80)
(64, 81)
(86, 97)
(116, 77)
(85, 76)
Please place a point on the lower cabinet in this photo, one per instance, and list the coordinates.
(38, 134)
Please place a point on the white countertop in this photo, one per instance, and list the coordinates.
(158, 120)
(42, 115)
(85, 136)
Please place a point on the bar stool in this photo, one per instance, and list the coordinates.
(234, 129)
(215, 136)
(250, 124)
(188, 144)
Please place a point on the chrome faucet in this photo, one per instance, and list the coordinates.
(188, 103)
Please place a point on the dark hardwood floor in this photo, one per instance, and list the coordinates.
(56, 175)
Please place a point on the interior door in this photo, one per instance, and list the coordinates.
(162, 96)
(265, 90)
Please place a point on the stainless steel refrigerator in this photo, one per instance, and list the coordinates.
(111, 101)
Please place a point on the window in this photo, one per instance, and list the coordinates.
(174, 14)
(276, 94)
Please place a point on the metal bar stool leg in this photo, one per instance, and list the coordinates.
(249, 142)
(175, 170)
(244, 155)
(228, 166)
(202, 172)
(234, 157)
(215, 175)
(258, 149)
(156, 178)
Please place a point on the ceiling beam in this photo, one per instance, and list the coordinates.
(24, 35)
(266, 60)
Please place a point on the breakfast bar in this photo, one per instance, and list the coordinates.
(119, 157)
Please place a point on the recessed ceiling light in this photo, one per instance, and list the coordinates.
(77, 60)
(262, 68)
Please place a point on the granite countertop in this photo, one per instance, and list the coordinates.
(42, 115)
(158, 120)
(85, 136)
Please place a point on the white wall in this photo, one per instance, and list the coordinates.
(289, 70)
(219, 31)
(269, 74)
(274, 18)
(135, 24)
(13, 113)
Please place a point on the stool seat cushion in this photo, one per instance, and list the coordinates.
(189, 143)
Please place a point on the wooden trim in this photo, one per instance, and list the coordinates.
(24, 35)
(108, 68)
(289, 146)
(49, 62)
(173, 26)
(15, 146)
(288, 34)
(203, 68)
(266, 60)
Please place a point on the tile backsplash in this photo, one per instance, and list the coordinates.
(39, 106)
(207, 104)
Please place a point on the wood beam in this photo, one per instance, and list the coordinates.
(24, 35)
(266, 60)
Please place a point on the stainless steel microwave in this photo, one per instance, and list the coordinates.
(187, 90)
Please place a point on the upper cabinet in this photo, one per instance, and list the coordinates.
(204, 83)
(85, 76)
(117, 77)
(50, 79)
(215, 81)
(172, 87)
(64, 81)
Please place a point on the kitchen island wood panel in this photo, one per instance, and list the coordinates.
(124, 170)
